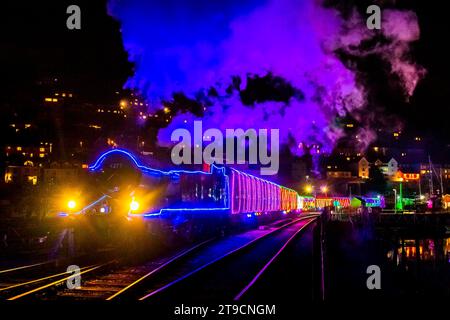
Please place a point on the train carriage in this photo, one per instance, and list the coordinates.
(252, 194)
(341, 202)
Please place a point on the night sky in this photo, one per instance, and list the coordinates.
(36, 43)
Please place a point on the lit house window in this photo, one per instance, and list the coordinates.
(28, 163)
(19, 149)
(42, 149)
(8, 177)
(33, 180)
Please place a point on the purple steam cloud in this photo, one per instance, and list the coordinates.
(191, 46)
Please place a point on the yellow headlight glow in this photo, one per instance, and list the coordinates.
(134, 205)
(71, 204)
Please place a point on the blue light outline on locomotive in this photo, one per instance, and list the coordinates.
(98, 163)
(144, 169)
(157, 214)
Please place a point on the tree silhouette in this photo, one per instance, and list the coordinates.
(377, 182)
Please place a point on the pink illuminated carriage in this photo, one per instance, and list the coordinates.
(253, 194)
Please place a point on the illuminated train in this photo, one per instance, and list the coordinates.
(223, 191)
(342, 203)
(187, 201)
(168, 206)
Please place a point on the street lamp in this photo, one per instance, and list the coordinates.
(395, 200)
(324, 189)
(123, 103)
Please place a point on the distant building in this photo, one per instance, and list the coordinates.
(392, 167)
(56, 174)
(389, 169)
(36, 152)
(22, 175)
(406, 177)
(363, 168)
(60, 173)
(339, 174)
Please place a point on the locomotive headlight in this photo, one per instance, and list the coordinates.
(71, 204)
(134, 205)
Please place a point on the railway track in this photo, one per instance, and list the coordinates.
(110, 285)
(111, 281)
(26, 285)
(121, 283)
(45, 281)
(192, 265)
(230, 277)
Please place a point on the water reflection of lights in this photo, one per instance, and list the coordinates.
(425, 249)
